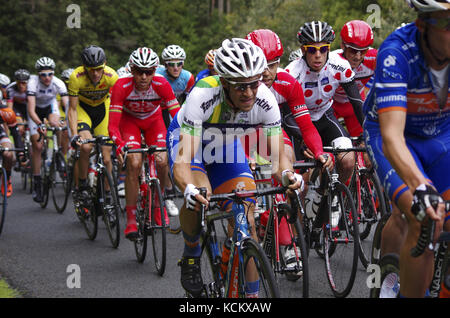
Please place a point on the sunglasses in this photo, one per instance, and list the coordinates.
(101, 67)
(442, 23)
(242, 87)
(141, 71)
(312, 49)
(173, 64)
(45, 74)
(355, 51)
(273, 63)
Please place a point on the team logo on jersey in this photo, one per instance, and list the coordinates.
(264, 104)
(206, 105)
(311, 84)
(324, 81)
(390, 61)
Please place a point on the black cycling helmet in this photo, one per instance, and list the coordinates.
(315, 32)
(93, 56)
(21, 75)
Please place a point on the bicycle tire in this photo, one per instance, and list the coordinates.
(45, 183)
(210, 262)
(389, 263)
(338, 239)
(158, 231)
(371, 196)
(300, 242)
(24, 178)
(375, 254)
(110, 211)
(254, 256)
(142, 219)
(88, 217)
(3, 198)
(59, 178)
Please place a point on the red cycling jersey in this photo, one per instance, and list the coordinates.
(341, 104)
(143, 106)
(288, 90)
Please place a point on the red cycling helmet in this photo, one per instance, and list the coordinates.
(358, 33)
(268, 41)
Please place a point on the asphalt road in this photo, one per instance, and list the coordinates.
(41, 251)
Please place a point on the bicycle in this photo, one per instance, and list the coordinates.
(150, 212)
(174, 228)
(99, 203)
(334, 232)
(4, 182)
(53, 169)
(369, 199)
(282, 217)
(247, 259)
(389, 263)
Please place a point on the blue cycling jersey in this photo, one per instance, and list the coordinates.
(180, 85)
(403, 82)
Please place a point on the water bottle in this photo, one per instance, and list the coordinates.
(92, 176)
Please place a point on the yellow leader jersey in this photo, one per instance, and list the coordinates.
(80, 85)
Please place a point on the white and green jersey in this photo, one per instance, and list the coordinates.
(206, 108)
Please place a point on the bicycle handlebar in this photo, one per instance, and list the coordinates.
(149, 150)
(240, 195)
(339, 150)
(426, 235)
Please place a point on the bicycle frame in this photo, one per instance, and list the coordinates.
(234, 284)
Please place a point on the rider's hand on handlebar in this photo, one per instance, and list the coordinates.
(75, 141)
(193, 198)
(327, 161)
(427, 202)
(292, 180)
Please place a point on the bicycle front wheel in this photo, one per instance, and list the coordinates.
(373, 207)
(3, 198)
(256, 277)
(341, 235)
(46, 182)
(158, 227)
(109, 206)
(59, 182)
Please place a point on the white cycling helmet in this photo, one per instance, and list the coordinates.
(66, 74)
(144, 57)
(173, 52)
(295, 55)
(429, 5)
(4, 80)
(239, 58)
(44, 63)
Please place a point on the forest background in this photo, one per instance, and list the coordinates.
(60, 29)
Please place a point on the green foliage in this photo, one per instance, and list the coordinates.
(35, 28)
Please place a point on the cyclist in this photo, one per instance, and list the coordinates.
(41, 104)
(321, 72)
(4, 81)
(180, 80)
(135, 109)
(7, 119)
(407, 130)
(289, 95)
(89, 87)
(356, 39)
(209, 71)
(233, 99)
(17, 100)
